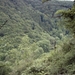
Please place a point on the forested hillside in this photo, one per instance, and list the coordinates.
(33, 39)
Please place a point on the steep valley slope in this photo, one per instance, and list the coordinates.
(28, 34)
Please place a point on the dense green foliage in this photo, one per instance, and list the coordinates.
(31, 40)
(70, 15)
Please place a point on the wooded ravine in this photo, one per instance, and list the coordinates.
(37, 38)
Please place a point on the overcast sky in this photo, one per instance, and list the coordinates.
(66, 0)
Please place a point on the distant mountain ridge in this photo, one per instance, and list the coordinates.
(50, 5)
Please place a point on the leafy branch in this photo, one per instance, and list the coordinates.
(3, 24)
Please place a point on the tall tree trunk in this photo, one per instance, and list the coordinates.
(74, 2)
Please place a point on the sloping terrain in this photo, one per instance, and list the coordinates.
(27, 37)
